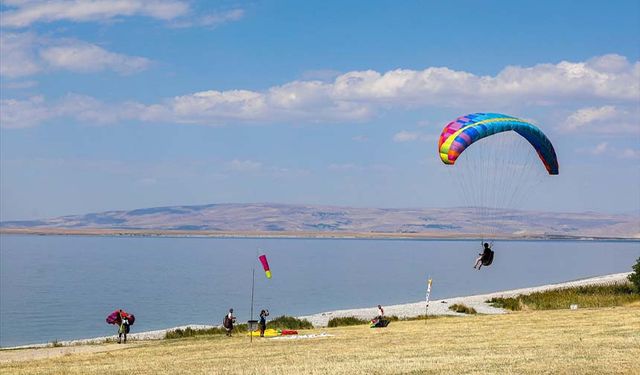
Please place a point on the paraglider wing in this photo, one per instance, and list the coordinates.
(465, 130)
(132, 319)
(113, 318)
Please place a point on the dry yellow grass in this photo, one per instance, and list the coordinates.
(594, 341)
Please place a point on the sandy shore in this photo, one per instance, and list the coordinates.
(436, 307)
(441, 307)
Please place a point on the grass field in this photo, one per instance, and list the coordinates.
(603, 340)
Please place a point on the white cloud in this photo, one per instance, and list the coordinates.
(26, 13)
(405, 136)
(26, 54)
(212, 19)
(629, 153)
(600, 148)
(409, 136)
(84, 57)
(26, 113)
(359, 95)
(606, 119)
(15, 113)
(18, 54)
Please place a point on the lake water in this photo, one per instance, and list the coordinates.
(63, 287)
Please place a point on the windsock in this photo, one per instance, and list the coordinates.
(265, 265)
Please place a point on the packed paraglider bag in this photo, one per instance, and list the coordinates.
(379, 323)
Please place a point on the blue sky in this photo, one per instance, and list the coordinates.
(127, 104)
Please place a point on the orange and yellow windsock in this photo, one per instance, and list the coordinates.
(265, 265)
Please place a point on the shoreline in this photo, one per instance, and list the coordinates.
(320, 320)
(304, 234)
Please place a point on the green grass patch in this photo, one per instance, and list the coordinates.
(289, 322)
(346, 321)
(464, 309)
(189, 332)
(583, 296)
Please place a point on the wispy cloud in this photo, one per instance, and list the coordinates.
(19, 85)
(359, 95)
(178, 13)
(25, 54)
(629, 153)
(25, 13)
(605, 119)
(84, 57)
(211, 19)
(409, 136)
(603, 148)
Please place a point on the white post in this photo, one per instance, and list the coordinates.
(426, 308)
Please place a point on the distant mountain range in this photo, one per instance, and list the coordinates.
(313, 220)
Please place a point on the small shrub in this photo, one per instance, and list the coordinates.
(189, 332)
(289, 322)
(346, 321)
(585, 296)
(512, 304)
(634, 278)
(56, 343)
(460, 308)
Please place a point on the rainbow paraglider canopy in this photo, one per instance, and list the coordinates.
(465, 130)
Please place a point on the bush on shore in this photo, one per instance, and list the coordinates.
(190, 332)
(346, 321)
(289, 322)
(460, 308)
(634, 278)
(583, 296)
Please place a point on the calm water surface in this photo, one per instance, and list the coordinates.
(63, 287)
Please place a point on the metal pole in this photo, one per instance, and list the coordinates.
(253, 283)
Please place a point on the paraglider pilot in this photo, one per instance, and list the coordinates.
(123, 329)
(484, 256)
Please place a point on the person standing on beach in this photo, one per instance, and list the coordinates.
(229, 319)
(263, 321)
(123, 329)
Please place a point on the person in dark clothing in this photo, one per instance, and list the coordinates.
(486, 253)
(263, 321)
(123, 329)
(229, 319)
